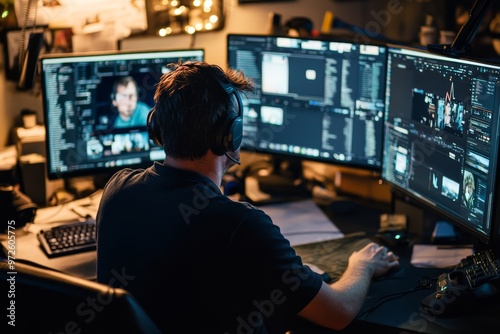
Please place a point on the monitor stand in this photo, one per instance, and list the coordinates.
(283, 182)
(80, 187)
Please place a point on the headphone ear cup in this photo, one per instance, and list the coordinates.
(229, 137)
(218, 146)
(235, 135)
(154, 132)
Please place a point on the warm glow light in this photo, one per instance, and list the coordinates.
(190, 29)
(5, 13)
(214, 18)
(164, 31)
(179, 11)
(188, 16)
(207, 6)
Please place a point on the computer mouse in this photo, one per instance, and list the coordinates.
(392, 238)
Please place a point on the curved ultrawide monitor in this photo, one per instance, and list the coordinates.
(442, 135)
(95, 108)
(315, 99)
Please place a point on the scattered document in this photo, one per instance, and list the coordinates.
(438, 256)
(302, 222)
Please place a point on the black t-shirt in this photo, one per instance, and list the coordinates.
(196, 260)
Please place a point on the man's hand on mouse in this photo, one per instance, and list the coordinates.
(378, 259)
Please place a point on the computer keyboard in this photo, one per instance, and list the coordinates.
(480, 267)
(69, 238)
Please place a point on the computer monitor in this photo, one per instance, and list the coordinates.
(315, 99)
(88, 101)
(442, 136)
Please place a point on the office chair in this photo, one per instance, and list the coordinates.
(41, 300)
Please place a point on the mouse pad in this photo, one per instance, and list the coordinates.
(332, 255)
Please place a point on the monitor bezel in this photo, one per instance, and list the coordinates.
(374, 169)
(71, 58)
(493, 237)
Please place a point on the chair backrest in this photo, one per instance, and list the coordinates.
(41, 300)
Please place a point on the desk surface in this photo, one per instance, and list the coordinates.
(29, 250)
(392, 305)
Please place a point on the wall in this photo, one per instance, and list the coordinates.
(251, 18)
(11, 102)
(401, 23)
(244, 18)
(240, 18)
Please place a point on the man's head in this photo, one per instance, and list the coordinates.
(195, 104)
(124, 96)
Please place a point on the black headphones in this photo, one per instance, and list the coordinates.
(228, 137)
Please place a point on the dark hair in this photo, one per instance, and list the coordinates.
(122, 81)
(190, 104)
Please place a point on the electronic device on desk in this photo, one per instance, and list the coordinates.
(83, 95)
(441, 149)
(70, 238)
(315, 99)
(475, 278)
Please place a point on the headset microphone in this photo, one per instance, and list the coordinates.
(232, 159)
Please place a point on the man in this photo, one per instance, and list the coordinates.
(124, 98)
(196, 260)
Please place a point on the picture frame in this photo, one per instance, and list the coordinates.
(61, 40)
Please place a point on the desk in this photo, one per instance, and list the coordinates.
(289, 216)
(28, 248)
(401, 312)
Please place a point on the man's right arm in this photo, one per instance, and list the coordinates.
(335, 306)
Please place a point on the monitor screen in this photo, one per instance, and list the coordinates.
(441, 135)
(314, 99)
(95, 108)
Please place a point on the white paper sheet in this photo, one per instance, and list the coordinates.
(434, 256)
(302, 222)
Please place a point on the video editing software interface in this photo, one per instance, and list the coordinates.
(315, 99)
(94, 125)
(441, 140)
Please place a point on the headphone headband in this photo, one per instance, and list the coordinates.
(227, 138)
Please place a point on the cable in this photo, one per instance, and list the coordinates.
(424, 283)
(193, 40)
(47, 220)
(22, 42)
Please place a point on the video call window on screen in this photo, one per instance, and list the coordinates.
(315, 99)
(441, 140)
(96, 108)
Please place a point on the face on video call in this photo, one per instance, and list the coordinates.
(126, 100)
